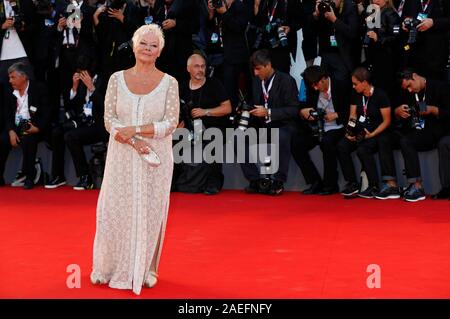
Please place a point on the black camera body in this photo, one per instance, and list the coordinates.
(74, 120)
(325, 6)
(217, 3)
(357, 128)
(414, 119)
(317, 126)
(411, 24)
(23, 126)
(185, 114)
(17, 16)
(277, 35)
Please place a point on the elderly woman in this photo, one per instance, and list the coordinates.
(141, 112)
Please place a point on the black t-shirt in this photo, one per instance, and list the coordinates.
(374, 104)
(209, 96)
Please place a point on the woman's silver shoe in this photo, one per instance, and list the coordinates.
(151, 281)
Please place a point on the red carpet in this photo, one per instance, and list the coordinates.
(235, 245)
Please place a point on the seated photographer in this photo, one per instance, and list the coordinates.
(84, 125)
(370, 116)
(204, 102)
(326, 109)
(336, 23)
(27, 115)
(276, 105)
(423, 120)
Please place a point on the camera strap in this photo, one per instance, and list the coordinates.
(400, 8)
(270, 15)
(366, 103)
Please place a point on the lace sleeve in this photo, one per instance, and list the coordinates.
(170, 120)
(111, 120)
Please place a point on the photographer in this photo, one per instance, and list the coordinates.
(179, 22)
(370, 116)
(381, 46)
(336, 23)
(27, 115)
(16, 17)
(425, 25)
(84, 125)
(206, 101)
(274, 27)
(333, 99)
(226, 38)
(115, 23)
(423, 120)
(75, 36)
(275, 106)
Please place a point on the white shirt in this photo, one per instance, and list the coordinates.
(68, 32)
(326, 103)
(12, 47)
(22, 111)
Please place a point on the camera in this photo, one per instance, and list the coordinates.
(74, 120)
(23, 126)
(217, 3)
(115, 4)
(414, 120)
(185, 114)
(17, 15)
(243, 109)
(411, 24)
(356, 128)
(325, 6)
(317, 126)
(277, 35)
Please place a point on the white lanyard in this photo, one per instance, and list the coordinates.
(400, 8)
(417, 98)
(266, 92)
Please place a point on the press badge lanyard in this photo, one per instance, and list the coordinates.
(366, 103)
(266, 92)
(424, 7)
(400, 8)
(271, 15)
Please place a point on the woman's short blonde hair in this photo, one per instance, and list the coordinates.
(150, 28)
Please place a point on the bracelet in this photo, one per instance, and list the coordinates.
(132, 141)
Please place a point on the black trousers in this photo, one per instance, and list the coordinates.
(365, 151)
(444, 160)
(75, 140)
(251, 171)
(29, 144)
(410, 143)
(304, 142)
(231, 79)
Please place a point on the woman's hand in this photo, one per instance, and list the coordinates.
(125, 133)
(368, 134)
(140, 146)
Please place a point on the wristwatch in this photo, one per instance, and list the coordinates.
(207, 112)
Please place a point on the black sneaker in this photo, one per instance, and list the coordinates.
(253, 187)
(369, 192)
(388, 192)
(315, 188)
(444, 193)
(211, 190)
(19, 180)
(28, 184)
(414, 194)
(350, 189)
(56, 182)
(85, 182)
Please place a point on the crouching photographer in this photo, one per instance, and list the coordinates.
(423, 119)
(204, 104)
(83, 125)
(27, 115)
(275, 107)
(370, 116)
(325, 110)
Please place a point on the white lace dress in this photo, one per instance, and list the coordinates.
(134, 198)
